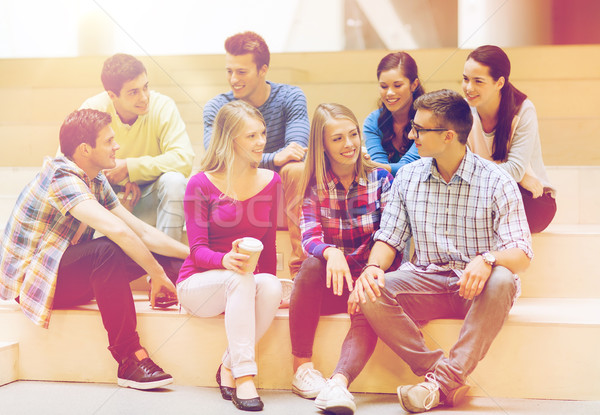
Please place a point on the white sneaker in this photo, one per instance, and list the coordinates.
(308, 381)
(335, 398)
(286, 292)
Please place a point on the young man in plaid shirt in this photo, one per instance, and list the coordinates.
(48, 259)
(471, 237)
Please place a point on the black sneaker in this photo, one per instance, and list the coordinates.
(141, 374)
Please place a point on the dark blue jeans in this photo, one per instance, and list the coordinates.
(99, 268)
(311, 299)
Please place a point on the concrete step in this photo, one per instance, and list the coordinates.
(545, 349)
(9, 362)
(578, 196)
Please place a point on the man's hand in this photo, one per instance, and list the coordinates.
(369, 282)
(293, 152)
(337, 270)
(474, 278)
(131, 196)
(160, 285)
(118, 173)
(532, 184)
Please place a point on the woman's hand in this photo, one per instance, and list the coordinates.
(337, 270)
(234, 260)
(531, 183)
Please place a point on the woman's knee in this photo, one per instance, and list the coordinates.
(268, 286)
(311, 272)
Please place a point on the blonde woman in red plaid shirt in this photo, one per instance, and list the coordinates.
(344, 195)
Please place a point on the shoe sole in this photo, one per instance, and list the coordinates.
(126, 383)
(305, 394)
(338, 408)
(457, 396)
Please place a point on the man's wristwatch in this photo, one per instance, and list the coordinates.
(488, 258)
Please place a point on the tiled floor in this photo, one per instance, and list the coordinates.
(49, 398)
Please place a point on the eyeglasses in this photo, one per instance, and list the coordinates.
(417, 130)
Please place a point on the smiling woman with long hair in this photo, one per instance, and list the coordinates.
(386, 129)
(505, 130)
(231, 198)
(344, 196)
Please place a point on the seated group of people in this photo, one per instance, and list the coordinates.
(462, 177)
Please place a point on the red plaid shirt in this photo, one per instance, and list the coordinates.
(333, 217)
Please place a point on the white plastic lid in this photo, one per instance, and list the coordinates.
(251, 244)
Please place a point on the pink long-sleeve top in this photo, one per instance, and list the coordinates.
(214, 221)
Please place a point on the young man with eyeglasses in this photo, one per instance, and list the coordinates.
(471, 237)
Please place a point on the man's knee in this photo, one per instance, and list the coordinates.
(291, 172)
(172, 186)
(501, 281)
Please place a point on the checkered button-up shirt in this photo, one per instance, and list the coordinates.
(333, 217)
(39, 231)
(479, 210)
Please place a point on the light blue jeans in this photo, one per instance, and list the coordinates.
(161, 204)
(410, 298)
(249, 303)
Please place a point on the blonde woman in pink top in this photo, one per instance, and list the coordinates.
(505, 130)
(231, 198)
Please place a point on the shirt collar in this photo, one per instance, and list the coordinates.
(332, 181)
(69, 165)
(465, 171)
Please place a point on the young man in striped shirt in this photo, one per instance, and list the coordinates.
(284, 110)
(471, 236)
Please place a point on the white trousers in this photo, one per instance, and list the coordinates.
(249, 303)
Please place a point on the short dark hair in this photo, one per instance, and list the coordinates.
(118, 69)
(81, 126)
(249, 42)
(450, 110)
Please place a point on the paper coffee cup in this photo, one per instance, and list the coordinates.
(252, 247)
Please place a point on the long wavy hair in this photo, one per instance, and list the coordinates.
(511, 98)
(317, 164)
(408, 67)
(229, 123)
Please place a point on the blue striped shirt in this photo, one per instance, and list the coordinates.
(284, 112)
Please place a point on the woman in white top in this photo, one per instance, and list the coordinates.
(505, 130)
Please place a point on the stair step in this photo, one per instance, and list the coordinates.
(9, 362)
(577, 196)
(533, 356)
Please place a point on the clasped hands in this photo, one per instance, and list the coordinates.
(471, 283)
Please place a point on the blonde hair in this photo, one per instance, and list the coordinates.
(228, 124)
(317, 163)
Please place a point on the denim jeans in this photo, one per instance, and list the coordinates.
(249, 303)
(161, 204)
(412, 296)
(311, 299)
(100, 269)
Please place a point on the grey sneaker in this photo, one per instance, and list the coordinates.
(426, 395)
(335, 398)
(308, 382)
